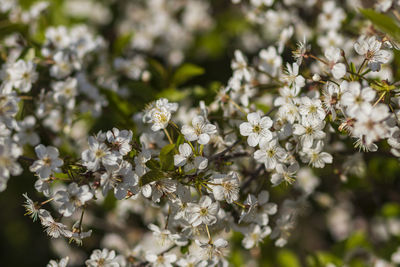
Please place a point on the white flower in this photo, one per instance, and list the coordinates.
(98, 153)
(314, 156)
(270, 61)
(43, 186)
(23, 74)
(62, 65)
(370, 48)
(203, 213)
(225, 187)
(62, 263)
(53, 228)
(187, 159)
(270, 153)
(163, 187)
(8, 109)
(213, 249)
(9, 153)
(256, 129)
(48, 161)
(73, 197)
(58, 37)
(189, 261)
(164, 236)
(284, 173)
(162, 260)
(307, 181)
(396, 256)
(65, 92)
(370, 124)
(102, 258)
(258, 209)
(140, 162)
(258, 3)
(32, 208)
(333, 55)
(301, 50)
(120, 178)
(288, 112)
(312, 109)
(240, 92)
(331, 94)
(292, 76)
(78, 235)
(354, 97)
(331, 38)
(120, 140)
(383, 5)
(159, 113)
(200, 130)
(287, 96)
(164, 103)
(331, 17)
(239, 66)
(255, 235)
(284, 225)
(308, 131)
(26, 133)
(160, 118)
(284, 37)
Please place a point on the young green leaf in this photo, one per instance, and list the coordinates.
(185, 73)
(383, 22)
(153, 175)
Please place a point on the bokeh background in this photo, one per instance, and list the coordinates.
(367, 206)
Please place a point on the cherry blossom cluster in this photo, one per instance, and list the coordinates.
(194, 177)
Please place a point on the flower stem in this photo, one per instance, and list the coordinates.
(47, 201)
(168, 136)
(208, 233)
(239, 204)
(380, 98)
(362, 66)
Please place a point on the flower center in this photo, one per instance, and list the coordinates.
(256, 128)
(271, 153)
(309, 130)
(99, 153)
(203, 211)
(47, 161)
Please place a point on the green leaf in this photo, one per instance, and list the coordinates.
(109, 202)
(121, 42)
(151, 176)
(357, 240)
(186, 72)
(158, 73)
(153, 164)
(119, 104)
(287, 258)
(30, 54)
(173, 94)
(180, 140)
(391, 210)
(167, 157)
(61, 175)
(185, 249)
(384, 23)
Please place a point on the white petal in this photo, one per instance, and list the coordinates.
(253, 118)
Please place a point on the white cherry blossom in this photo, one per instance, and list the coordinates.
(48, 161)
(200, 131)
(256, 129)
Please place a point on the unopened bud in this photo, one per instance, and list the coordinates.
(316, 77)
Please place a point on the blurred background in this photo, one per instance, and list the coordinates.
(349, 212)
